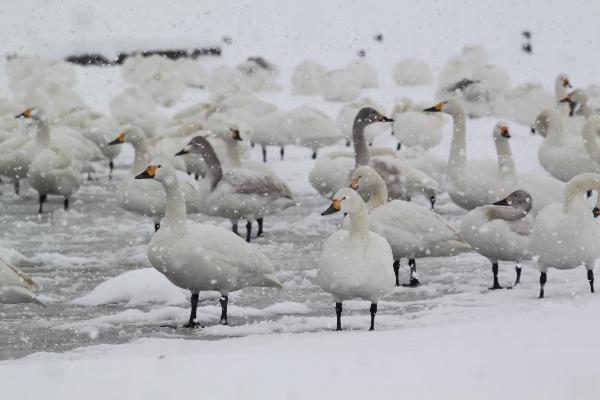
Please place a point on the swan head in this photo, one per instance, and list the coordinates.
(519, 199)
(451, 106)
(501, 131)
(367, 116)
(33, 113)
(544, 120)
(160, 170)
(130, 134)
(235, 134)
(196, 145)
(563, 80)
(345, 200)
(364, 177)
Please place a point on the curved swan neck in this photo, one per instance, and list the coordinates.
(359, 224)
(361, 151)
(505, 213)
(458, 149)
(174, 221)
(233, 154)
(577, 186)
(43, 133)
(506, 163)
(590, 137)
(215, 171)
(379, 194)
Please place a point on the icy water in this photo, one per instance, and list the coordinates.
(71, 253)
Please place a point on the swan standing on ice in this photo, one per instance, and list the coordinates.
(355, 263)
(411, 230)
(566, 235)
(238, 193)
(16, 286)
(199, 256)
(474, 183)
(500, 232)
(146, 197)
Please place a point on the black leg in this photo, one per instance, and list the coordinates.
(373, 312)
(518, 270)
(89, 177)
(347, 143)
(314, 155)
(282, 152)
(260, 227)
(196, 176)
(496, 284)
(192, 322)
(589, 193)
(398, 146)
(248, 231)
(397, 270)
(264, 151)
(432, 202)
(156, 226)
(252, 144)
(543, 279)
(414, 281)
(42, 200)
(66, 203)
(111, 167)
(223, 301)
(370, 144)
(234, 228)
(392, 132)
(17, 184)
(338, 314)
(591, 279)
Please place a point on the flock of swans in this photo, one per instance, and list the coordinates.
(197, 162)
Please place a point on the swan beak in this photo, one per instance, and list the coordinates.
(119, 140)
(148, 173)
(182, 152)
(25, 114)
(566, 83)
(596, 211)
(333, 208)
(386, 119)
(437, 108)
(503, 202)
(504, 132)
(235, 134)
(354, 184)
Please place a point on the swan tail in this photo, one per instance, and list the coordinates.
(270, 280)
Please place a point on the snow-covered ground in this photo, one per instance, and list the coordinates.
(110, 325)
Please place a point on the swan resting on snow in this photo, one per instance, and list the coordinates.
(355, 263)
(500, 231)
(200, 257)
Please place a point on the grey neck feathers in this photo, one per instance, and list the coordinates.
(215, 171)
(361, 152)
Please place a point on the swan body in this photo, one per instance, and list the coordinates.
(309, 127)
(412, 72)
(355, 263)
(501, 231)
(345, 119)
(565, 235)
(200, 257)
(413, 128)
(411, 230)
(364, 73)
(339, 85)
(16, 286)
(306, 77)
(54, 172)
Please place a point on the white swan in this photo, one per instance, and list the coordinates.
(146, 197)
(199, 256)
(355, 263)
(411, 230)
(411, 72)
(309, 127)
(561, 154)
(545, 189)
(238, 193)
(339, 85)
(476, 182)
(306, 76)
(53, 172)
(500, 231)
(566, 235)
(414, 128)
(16, 286)
(591, 129)
(402, 179)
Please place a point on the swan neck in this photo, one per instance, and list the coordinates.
(175, 214)
(457, 160)
(379, 194)
(506, 162)
(359, 224)
(590, 134)
(233, 154)
(215, 171)
(505, 213)
(43, 133)
(141, 158)
(361, 151)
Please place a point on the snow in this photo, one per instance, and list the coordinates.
(111, 327)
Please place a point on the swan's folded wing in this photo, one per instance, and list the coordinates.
(9, 274)
(247, 181)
